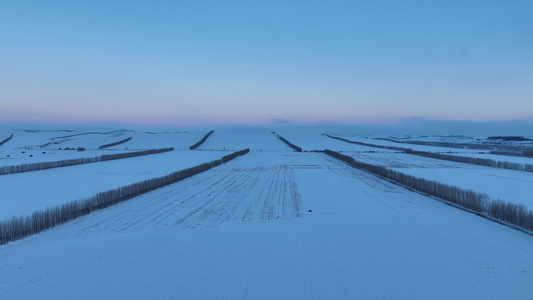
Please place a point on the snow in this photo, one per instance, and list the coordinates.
(365, 238)
(26, 143)
(469, 139)
(234, 141)
(483, 154)
(373, 141)
(56, 186)
(508, 185)
(179, 140)
(502, 158)
(35, 156)
(272, 224)
(310, 142)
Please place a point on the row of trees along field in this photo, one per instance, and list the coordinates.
(114, 144)
(526, 153)
(476, 161)
(515, 214)
(293, 146)
(201, 141)
(487, 162)
(20, 227)
(369, 145)
(75, 161)
(6, 140)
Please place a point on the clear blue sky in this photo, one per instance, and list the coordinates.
(205, 62)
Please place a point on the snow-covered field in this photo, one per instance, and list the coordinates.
(310, 142)
(31, 146)
(257, 141)
(444, 150)
(272, 224)
(24, 193)
(373, 141)
(508, 185)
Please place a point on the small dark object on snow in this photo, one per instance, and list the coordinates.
(31, 155)
(310, 211)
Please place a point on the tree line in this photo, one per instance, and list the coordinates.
(487, 162)
(476, 161)
(201, 141)
(23, 226)
(114, 144)
(369, 145)
(525, 153)
(6, 140)
(515, 214)
(76, 161)
(484, 146)
(293, 146)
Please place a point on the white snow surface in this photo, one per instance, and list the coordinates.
(44, 146)
(508, 185)
(483, 154)
(502, 158)
(235, 141)
(250, 235)
(24, 193)
(310, 142)
(272, 224)
(373, 141)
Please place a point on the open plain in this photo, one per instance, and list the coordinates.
(271, 224)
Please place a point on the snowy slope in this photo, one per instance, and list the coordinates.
(243, 230)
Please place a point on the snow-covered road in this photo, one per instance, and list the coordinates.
(244, 230)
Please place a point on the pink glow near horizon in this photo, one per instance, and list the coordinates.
(177, 64)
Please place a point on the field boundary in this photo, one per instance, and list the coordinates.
(293, 146)
(199, 143)
(486, 162)
(6, 140)
(115, 143)
(486, 147)
(76, 161)
(41, 220)
(517, 216)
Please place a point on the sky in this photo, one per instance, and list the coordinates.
(260, 62)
